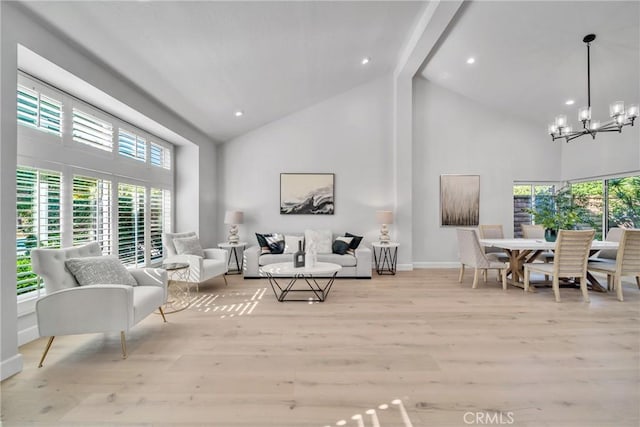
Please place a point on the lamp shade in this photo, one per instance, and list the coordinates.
(384, 217)
(234, 217)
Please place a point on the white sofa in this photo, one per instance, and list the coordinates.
(69, 309)
(355, 266)
(213, 264)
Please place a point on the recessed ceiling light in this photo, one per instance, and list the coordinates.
(239, 113)
(570, 102)
(471, 60)
(365, 60)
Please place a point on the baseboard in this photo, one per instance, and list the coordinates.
(442, 264)
(27, 335)
(404, 267)
(10, 367)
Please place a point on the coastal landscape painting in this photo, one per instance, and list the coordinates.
(306, 193)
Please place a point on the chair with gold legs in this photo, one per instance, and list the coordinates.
(79, 303)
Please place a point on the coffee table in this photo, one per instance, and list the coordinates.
(313, 277)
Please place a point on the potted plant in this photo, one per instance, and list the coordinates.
(558, 211)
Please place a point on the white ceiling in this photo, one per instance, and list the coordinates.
(205, 60)
(530, 57)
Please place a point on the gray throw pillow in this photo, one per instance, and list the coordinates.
(107, 270)
(188, 246)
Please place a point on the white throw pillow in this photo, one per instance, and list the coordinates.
(188, 246)
(107, 270)
(291, 244)
(322, 239)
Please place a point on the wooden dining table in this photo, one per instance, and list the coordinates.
(522, 251)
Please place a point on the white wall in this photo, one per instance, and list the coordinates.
(608, 154)
(18, 27)
(455, 135)
(348, 135)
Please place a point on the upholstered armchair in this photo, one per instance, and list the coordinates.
(69, 308)
(204, 264)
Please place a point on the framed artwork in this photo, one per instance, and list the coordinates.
(459, 200)
(306, 193)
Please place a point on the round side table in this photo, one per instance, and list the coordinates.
(179, 293)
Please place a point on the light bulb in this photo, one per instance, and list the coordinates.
(632, 111)
(616, 109)
(561, 121)
(594, 125)
(584, 114)
(553, 129)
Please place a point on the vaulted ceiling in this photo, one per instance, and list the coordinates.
(207, 60)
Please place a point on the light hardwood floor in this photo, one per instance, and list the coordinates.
(437, 349)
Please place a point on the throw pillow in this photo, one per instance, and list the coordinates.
(355, 242)
(322, 239)
(272, 243)
(341, 245)
(291, 244)
(95, 270)
(188, 246)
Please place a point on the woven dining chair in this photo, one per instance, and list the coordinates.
(570, 261)
(627, 262)
(472, 255)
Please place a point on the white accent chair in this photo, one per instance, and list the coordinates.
(530, 231)
(213, 264)
(626, 263)
(570, 261)
(70, 309)
(472, 255)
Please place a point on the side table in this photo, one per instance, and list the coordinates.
(236, 256)
(179, 293)
(385, 256)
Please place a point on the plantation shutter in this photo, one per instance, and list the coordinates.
(160, 156)
(160, 217)
(131, 205)
(39, 111)
(92, 212)
(131, 145)
(92, 131)
(38, 219)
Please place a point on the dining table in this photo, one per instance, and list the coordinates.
(523, 251)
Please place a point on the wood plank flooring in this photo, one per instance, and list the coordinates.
(415, 349)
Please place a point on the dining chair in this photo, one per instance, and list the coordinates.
(472, 255)
(627, 262)
(533, 231)
(493, 231)
(570, 261)
(613, 235)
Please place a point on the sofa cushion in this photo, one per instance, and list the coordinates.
(267, 259)
(97, 270)
(188, 246)
(343, 260)
(291, 244)
(322, 239)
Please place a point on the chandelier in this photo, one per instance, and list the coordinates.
(619, 117)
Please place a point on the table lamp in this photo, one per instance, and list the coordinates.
(383, 218)
(233, 218)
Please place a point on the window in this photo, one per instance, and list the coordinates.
(623, 202)
(159, 220)
(132, 146)
(38, 219)
(526, 197)
(160, 156)
(39, 111)
(131, 224)
(588, 197)
(92, 131)
(92, 212)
